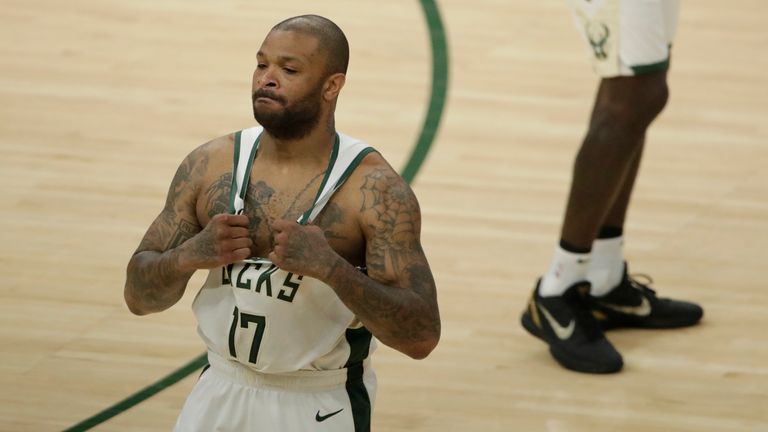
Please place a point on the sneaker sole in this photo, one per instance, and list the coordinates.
(617, 323)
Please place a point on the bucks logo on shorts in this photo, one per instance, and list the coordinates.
(597, 34)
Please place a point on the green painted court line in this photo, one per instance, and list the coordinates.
(439, 90)
(142, 395)
(419, 153)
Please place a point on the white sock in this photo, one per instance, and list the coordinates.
(607, 265)
(565, 269)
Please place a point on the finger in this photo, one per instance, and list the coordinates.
(314, 228)
(282, 225)
(218, 218)
(237, 220)
(240, 243)
(238, 232)
(241, 254)
(234, 256)
(274, 258)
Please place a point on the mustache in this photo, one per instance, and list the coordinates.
(262, 93)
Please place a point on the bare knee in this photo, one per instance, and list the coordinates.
(630, 104)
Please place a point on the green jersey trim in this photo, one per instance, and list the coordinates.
(331, 163)
(248, 168)
(247, 177)
(233, 183)
(352, 165)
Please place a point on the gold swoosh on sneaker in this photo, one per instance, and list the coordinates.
(644, 309)
(562, 332)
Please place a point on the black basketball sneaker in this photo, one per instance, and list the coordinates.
(633, 304)
(573, 334)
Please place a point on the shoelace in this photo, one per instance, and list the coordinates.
(633, 280)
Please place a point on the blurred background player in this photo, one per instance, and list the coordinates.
(586, 288)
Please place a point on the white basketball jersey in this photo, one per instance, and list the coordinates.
(270, 320)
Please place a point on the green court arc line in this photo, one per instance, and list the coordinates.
(418, 155)
(141, 395)
(438, 93)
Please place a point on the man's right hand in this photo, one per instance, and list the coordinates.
(224, 240)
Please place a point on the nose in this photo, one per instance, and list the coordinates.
(264, 78)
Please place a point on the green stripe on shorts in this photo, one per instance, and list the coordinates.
(650, 68)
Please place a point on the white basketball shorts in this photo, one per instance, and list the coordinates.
(627, 37)
(231, 397)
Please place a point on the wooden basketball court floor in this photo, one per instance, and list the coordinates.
(100, 100)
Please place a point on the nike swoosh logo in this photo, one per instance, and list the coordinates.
(562, 332)
(320, 418)
(644, 309)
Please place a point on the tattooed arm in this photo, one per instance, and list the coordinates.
(176, 245)
(397, 301)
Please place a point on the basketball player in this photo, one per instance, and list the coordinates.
(288, 216)
(587, 288)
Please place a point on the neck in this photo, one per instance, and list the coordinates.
(311, 148)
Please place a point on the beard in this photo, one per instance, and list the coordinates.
(292, 122)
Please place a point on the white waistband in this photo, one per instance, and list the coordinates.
(304, 379)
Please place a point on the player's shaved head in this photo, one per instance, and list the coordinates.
(330, 37)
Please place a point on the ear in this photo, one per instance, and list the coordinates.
(333, 86)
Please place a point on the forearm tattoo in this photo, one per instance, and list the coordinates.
(156, 279)
(153, 273)
(424, 321)
(395, 314)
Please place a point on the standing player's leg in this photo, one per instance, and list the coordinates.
(606, 164)
(605, 171)
(606, 266)
(621, 300)
(603, 175)
(631, 94)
